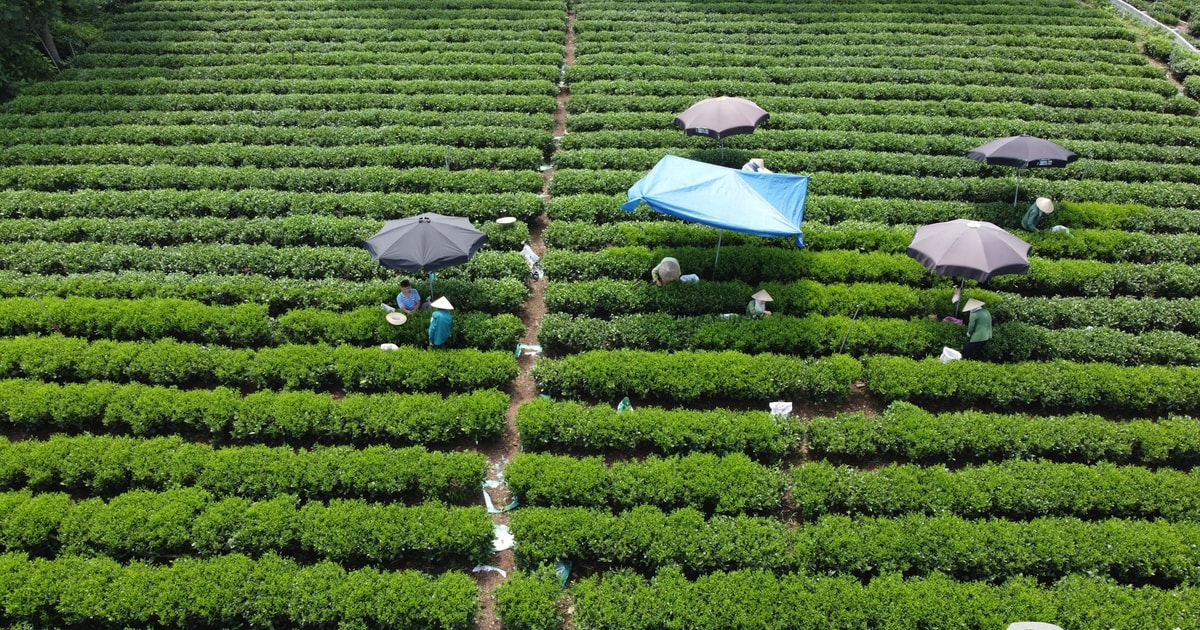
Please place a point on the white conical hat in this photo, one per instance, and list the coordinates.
(442, 303)
(971, 305)
(762, 296)
(1045, 205)
(396, 318)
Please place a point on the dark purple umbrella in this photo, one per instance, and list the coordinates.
(969, 249)
(425, 243)
(1022, 151)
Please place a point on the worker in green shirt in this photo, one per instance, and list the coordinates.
(1034, 214)
(979, 329)
(441, 322)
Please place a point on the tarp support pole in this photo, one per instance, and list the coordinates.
(720, 233)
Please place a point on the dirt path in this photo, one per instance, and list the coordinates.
(523, 388)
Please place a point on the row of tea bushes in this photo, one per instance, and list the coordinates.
(189, 521)
(610, 298)
(229, 591)
(568, 426)
(732, 484)
(287, 231)
(910, 433)
(222, 414)
(280, 295)
(255, 203)
(1010, 489)
(757, 265)
(1051, 385)
(645, 538)
(627, 600)
(319, 366)
(244, 325)
(304, 263)
(818, 335)
(99, 465)
(696, 377)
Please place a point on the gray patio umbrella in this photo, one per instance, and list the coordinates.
(720, 117)
(425, 243)
(969, 249)
(1022, 151)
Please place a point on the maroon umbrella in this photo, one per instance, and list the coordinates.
(969, 249)
(1022, 152)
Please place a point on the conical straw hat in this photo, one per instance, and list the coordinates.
(442, 303)
(762, 296)
(1045, 205)
(971, 305)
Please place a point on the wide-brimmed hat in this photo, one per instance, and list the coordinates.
(1044, 205)
(442, 303)
(763, 296)
(396, 318)
(971, 305)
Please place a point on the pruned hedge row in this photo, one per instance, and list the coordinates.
(243, 325)
(233, 155)
(910, 433)
(914, 186)
(613, 298)
(260, 203)
(730, 484)
(306, 263)
(692, 377)
(819, 335)
(190, 521)
(230, 591)
(287, 231)
(569, 426)
(275, 85)
(1103, 245)
(181, 64)
(225, 415)
(280, 295)
(1011, 489)
(755, 265)
(333, 102)
(626, 600)
(645, 538)
(96, 465)
(320, 367)
(352, 179)
(762, 81)
(1052, 385)
(245, 142)
(175, 125)
(592, 208)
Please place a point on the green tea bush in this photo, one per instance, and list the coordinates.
(1056, 385)
(731, 484)
(908, 432)
(689, 377)
(94, 465)
(233, 590)
(224, 414)
(570, 426)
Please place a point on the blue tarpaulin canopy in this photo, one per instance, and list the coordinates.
(763, 204)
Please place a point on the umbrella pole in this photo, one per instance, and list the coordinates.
(431, 274)
(958, 304)
(1018, 190)
(720, 233)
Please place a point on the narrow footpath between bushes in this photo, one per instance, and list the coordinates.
(523, 388)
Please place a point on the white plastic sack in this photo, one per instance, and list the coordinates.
(691, 277)
(388, 346)
(781, 408)
(950, 354)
